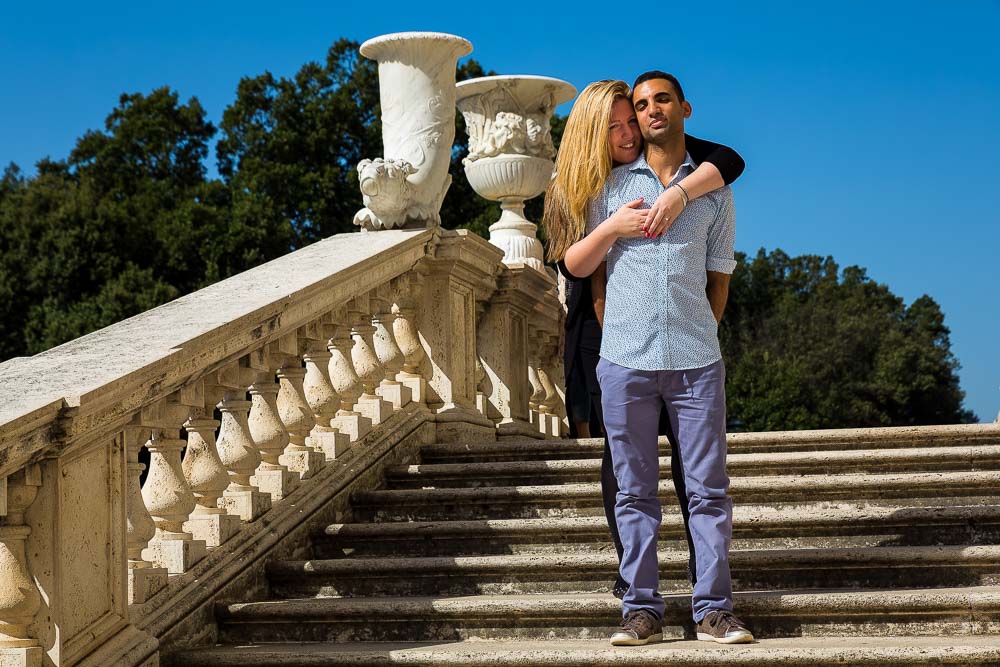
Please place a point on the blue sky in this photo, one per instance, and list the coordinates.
(871, 129)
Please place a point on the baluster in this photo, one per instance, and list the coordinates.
(237, 451)
(295, 413)
(144, 579)
(208, 479)
(505, 340)
(413, 373)
(387, 350)
(19, 596)
(345, 380)
(167, 495)
(366, 362)
(484, 385)
(538, 390)
(320, 394)
(268, 432)
(557, 375)
(549, 419)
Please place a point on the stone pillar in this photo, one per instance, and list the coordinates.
(144, 580)
(408, 294)
(345, 380)
(235, 444)
(19, 596)
(366, 363)
(537, 390)
(208, 478)
(387, 350)
(504, 345)
(167, 495)
(321, 396)
(296, 415)
(463, 266)
(550, 421)
(268, 433)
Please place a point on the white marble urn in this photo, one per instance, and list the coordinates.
(416, 78)
(510, 151)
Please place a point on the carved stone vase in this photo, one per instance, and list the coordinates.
(510, 151)
(416, 73)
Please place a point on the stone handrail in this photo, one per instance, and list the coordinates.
(257, 400)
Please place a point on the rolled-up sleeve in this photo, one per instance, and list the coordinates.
(721, 256)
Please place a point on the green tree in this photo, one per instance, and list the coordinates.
(126, 223)
(810, 346)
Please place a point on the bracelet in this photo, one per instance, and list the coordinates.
(684, 193)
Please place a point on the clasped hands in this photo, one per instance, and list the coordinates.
(631, 221)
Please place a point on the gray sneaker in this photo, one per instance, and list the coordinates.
(638, 628)
(724, 628)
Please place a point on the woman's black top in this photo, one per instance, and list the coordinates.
(579, 298)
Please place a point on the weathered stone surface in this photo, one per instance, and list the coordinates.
(555, 471)
(792, 652)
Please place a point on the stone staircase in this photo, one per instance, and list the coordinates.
(847, 550)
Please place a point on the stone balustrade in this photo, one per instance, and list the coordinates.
(244, 397)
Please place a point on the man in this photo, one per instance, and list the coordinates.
(666, 293)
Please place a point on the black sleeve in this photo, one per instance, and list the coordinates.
(561, 264)
(727, 161)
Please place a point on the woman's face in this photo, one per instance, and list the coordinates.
(624, 138)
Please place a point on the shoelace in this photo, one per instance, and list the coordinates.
(632, 622)
(723, 620)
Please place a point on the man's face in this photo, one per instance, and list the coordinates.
(660, 111)
(624, 139)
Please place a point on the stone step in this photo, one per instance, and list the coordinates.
(844, 613)
(739, 443)
(582, 499)
(560, 471)
(874, 567)
(754, 527)
(875, 651)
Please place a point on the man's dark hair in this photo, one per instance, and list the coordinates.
(657, 74)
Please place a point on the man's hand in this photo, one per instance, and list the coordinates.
(664, 211)
(629, 221)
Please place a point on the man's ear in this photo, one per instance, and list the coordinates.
(687, 109)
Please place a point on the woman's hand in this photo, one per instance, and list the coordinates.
(629, 221)
(664, 211)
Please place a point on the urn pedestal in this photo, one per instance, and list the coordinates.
(511, 152)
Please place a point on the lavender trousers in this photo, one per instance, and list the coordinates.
(695, 401)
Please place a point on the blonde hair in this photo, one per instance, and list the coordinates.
(583, 164)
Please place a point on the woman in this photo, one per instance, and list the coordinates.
(602, 131)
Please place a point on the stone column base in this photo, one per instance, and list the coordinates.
(397, 394)
(550, 425)
(176, 555)
(214, 529)
(517, 429)
(376, 409)
(26, 656)
(247, 505)
(143, 583)
(458, 424)
(304, 462)
(417, 386)
(278, 482)
(331, 442)
(355, 426)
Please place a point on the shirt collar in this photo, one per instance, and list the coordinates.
(640, 164)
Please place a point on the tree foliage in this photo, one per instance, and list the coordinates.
(810, 346)
(130, 220)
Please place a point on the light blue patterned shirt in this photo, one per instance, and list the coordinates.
(657, 315)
